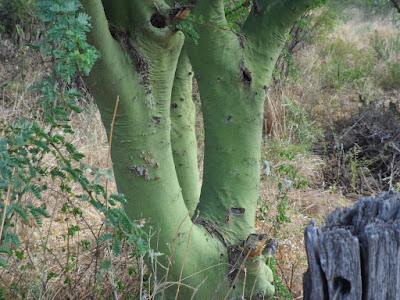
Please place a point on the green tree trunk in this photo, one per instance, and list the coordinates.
(233, 79)
(155, 163)
(183, 133)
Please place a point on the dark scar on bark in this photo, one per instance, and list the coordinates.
(126, 41)
(237, 211)
(156, 119)
(212, 229)
(245, 75)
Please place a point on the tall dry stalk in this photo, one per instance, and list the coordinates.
(172, 252)
(115, 292)
(184, 257)
(6, 202)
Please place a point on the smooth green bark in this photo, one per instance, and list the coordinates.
(266, 32)
(143, 162)
(183, 133)
(233, 80)
(232, 105)
(232, 102)
(155, 162)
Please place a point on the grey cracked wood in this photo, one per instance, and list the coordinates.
(356, 255)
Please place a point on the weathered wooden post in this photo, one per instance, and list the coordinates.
(356, 255)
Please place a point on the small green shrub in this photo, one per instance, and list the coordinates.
(300, 128)
(15, 17)
(390, 79)
(388, 52)
(281, 291)
(346, 66)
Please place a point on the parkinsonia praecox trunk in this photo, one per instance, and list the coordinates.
(154, 149)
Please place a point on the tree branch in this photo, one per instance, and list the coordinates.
(99, 35)
(266, 30)
(277, 16)
(212, 11)
(183, 134)
(396, 5)
(232, 132)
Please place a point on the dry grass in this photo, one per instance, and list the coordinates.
(303, 204)
(373, 43)
(371, 47)
(53, 263)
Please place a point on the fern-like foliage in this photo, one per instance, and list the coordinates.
(25, 145)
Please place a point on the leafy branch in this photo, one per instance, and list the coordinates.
(25, 145)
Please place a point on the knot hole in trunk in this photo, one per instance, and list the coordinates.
(341, 286)
(245, 75)
(158, 20)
